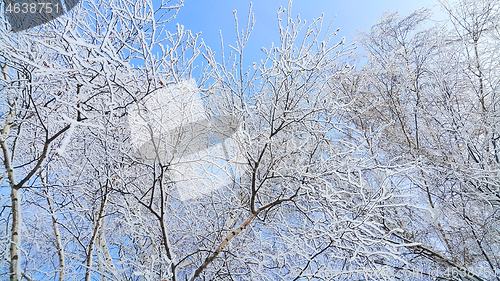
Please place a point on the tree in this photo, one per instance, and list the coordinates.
(65, 83)
(426, 92)
(301, 181)
(303, 166)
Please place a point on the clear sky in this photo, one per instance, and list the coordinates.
(210, 16)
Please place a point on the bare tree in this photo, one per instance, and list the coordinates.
(122, 165)
(426, 91)
(64, 83)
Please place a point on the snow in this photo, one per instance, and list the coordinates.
(172, 127)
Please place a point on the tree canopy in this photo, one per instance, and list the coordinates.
(125, 158)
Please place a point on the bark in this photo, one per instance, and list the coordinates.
(222, 245)
(103, 245)
(60, 251)
(59, 247)
(233, 234)
(93, 240)
(15, 258)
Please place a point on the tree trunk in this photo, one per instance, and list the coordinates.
(15, 257)
(60, 251)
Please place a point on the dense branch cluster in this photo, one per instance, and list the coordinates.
(133, 153)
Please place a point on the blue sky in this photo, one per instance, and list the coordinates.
(210, 16)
